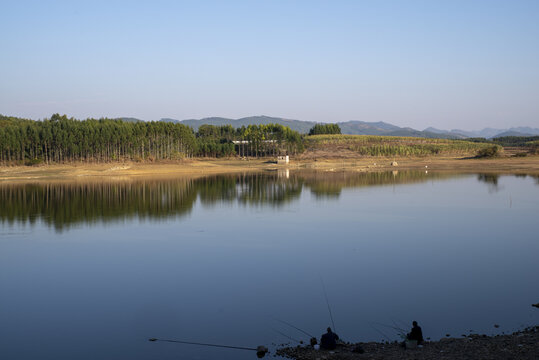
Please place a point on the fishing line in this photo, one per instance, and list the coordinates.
(327, 302)
(402, 323)
(380, 332)
(294, 327)
(389, 326)
(397, 327)
(400, 332)
(286, 336)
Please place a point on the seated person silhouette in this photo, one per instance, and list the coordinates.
(415, 334)
(328, 341)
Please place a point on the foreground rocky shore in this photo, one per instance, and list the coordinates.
(519, 345)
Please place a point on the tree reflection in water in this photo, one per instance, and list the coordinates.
(61, 205)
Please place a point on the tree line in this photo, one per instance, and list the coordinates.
(323, 129)
(515, 141)
(252, 140)
(62, 139)
(525, 143)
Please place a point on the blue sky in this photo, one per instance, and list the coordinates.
(448, 64)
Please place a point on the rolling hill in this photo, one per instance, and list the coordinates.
(355, 127)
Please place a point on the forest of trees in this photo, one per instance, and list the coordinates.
(517, 141)
(63, 139)
(528, 144)
(252, 140)
(321, 129)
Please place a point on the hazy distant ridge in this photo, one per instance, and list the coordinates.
(353, 127)
(356, 127)
(301, 126)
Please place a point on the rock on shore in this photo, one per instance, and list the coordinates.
(519, 345)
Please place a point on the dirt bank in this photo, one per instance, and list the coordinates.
(198, 167)
(520, 345)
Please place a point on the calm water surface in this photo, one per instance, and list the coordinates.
(92, 270)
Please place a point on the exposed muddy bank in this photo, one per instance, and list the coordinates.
(528, 165)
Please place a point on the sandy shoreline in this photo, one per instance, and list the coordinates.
(201, 167)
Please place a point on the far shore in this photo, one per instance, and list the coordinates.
(200, 167)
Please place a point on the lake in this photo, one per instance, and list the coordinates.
(92, 269)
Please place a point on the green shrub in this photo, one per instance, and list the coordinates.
(33, 162)
(490, 151)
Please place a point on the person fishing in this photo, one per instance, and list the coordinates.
(328, 340)
(415, 333)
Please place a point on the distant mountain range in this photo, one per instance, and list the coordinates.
(489, 132)
(355, 127)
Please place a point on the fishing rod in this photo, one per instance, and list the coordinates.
(286, 336)
(260, 350)
(397, 326)
(402, 323)
(294, 327)
(391, 327)
(380, 332)
(327, 302)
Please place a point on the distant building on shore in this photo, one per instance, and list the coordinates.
(284, 159)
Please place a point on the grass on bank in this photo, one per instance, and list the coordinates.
(400, 146)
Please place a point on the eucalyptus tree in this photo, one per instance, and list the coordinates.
(63, 139)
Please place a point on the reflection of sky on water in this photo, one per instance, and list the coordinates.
(452, 254)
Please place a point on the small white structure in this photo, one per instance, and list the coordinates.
(283, 159)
